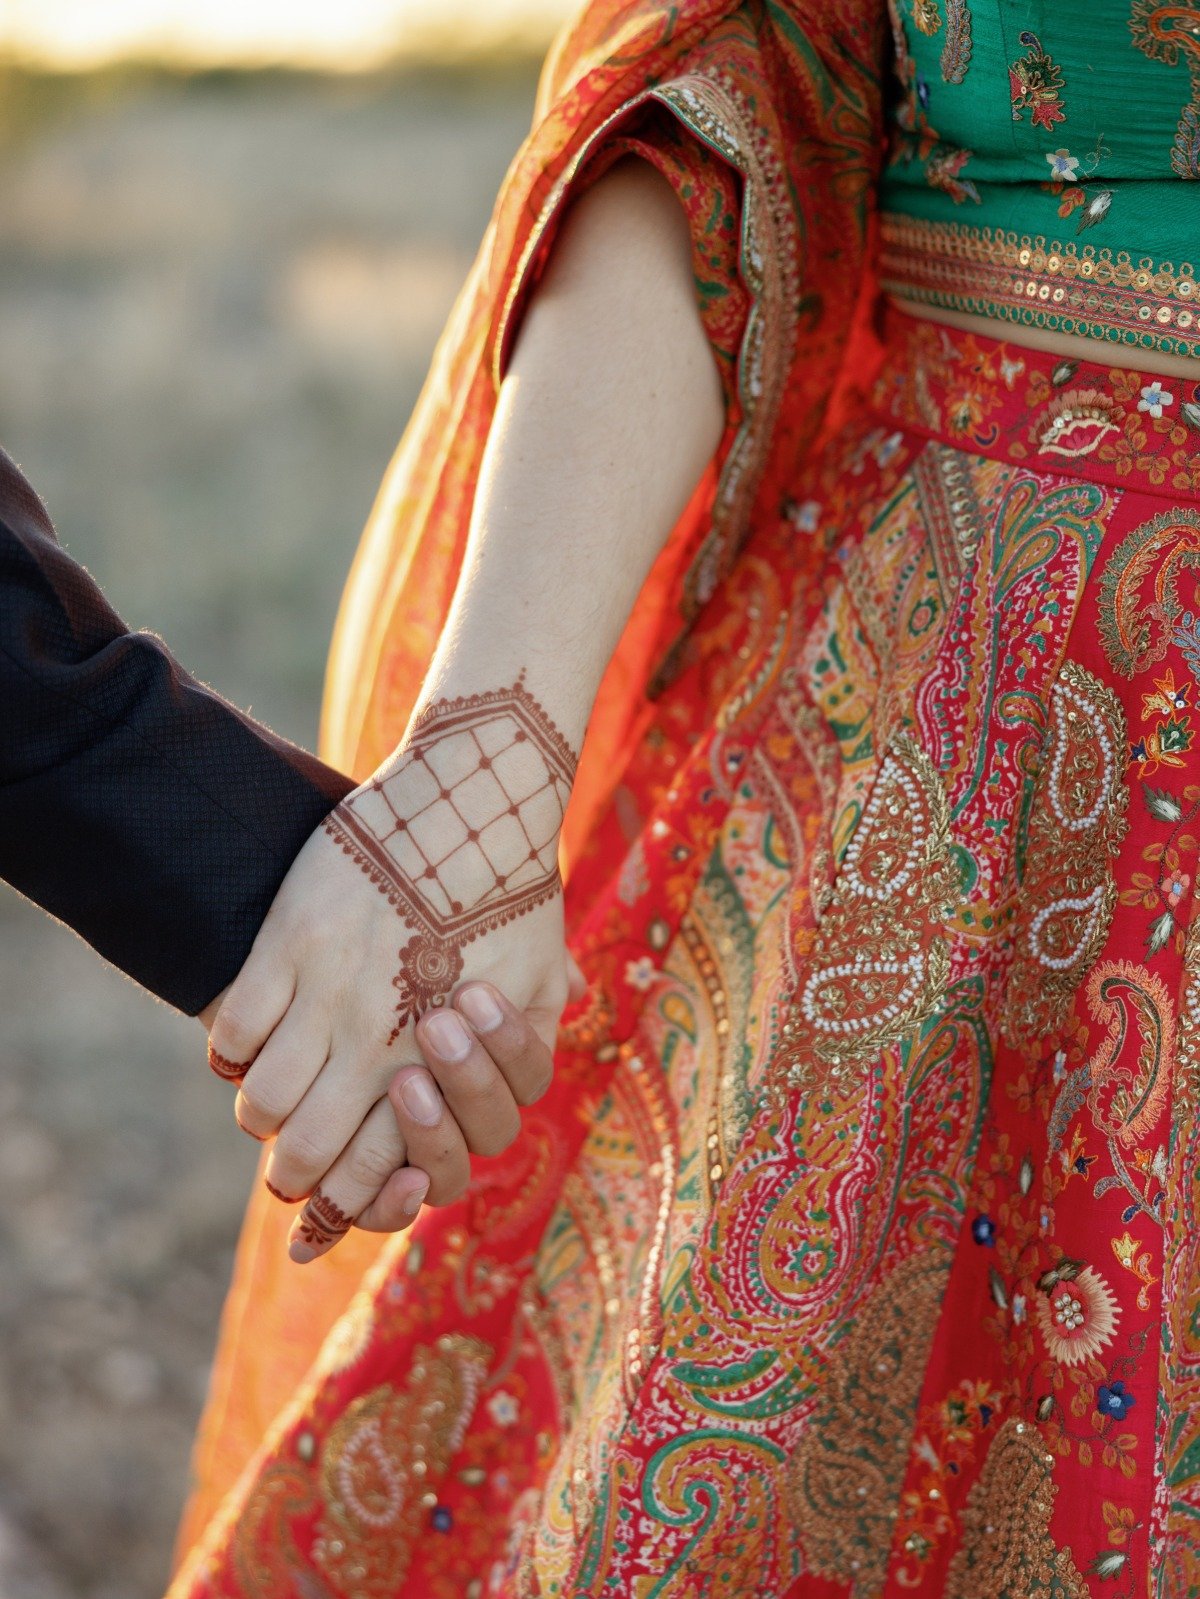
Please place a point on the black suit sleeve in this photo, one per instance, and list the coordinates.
(135, 804)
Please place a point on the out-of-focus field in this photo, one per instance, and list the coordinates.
(218, 297)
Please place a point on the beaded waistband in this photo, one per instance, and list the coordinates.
(1141, 305)
(998, 398)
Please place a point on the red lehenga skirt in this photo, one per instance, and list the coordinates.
(855, 1252)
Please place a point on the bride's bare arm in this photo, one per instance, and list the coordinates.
(436, 883)
(609, 412)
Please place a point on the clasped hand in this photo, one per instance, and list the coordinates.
(401, 1000)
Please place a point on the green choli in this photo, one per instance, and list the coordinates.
(1043, 161)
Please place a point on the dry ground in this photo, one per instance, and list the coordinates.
(217, 300)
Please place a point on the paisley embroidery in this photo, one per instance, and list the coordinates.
(383, 1455)
(1007, 1549)
(1135, 625)
(878, 964)
(1168, 33)
(843, 1477)
(711, 1315)
(956, 52)
(262, 1546)
(1130, 1072)
(1066, 867)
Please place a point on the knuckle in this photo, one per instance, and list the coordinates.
(471, 1082)
(370, 1167)
(256, 1107)
(447, 1188)
(536, 1084)
(232, 1033)
(301, 1151)
(499, 1132)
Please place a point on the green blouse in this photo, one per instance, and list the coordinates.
(1043, 165)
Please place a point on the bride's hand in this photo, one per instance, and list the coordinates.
(397, 1204)
(436, 880)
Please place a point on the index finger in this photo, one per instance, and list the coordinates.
(510, 1037)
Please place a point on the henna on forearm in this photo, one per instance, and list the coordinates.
(462, 836)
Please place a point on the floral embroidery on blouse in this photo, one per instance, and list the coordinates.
(915, 139)
(1070, 184)
(1035, 83)
(1171, 33)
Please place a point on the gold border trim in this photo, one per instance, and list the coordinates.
(1142, 304)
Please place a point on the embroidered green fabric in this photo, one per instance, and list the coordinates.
(1042, 163)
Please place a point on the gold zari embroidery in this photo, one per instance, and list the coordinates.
(1006, 1547)
(847, 1470)
(1067, 886)
(1146, 305)
(382, 1458)
(878, 963)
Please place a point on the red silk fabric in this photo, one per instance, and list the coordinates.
(852, 1251)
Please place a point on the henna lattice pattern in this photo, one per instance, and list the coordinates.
(463, 835)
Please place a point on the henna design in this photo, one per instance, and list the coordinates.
(259, 1138)
(279, 1194)
(230, 1070)
(322, 1222)
(463, 835)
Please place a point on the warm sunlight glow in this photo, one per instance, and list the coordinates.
(343, 33)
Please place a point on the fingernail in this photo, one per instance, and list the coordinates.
(448, 1035)
(415, 1200)
(480, 1009)
(301, 1252)
(421, 1099)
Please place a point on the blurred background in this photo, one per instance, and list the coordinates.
(230, 231)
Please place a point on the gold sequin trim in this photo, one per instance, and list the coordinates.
(1143, 304)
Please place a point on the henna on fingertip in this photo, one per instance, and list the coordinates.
(231, 1070)
(319, 1225)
